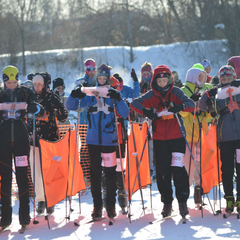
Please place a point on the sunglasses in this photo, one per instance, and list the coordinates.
(91, 69)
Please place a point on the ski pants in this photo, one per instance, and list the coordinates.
(95, 156)
(228, 150)
(19, 149)
(163, 150)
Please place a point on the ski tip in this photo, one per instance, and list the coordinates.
(76, 224)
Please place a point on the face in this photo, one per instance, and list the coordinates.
(201, 77)
(146, 74)
(38, 87)
(226, 80)
(162, 82)
(102, 80)
(11, 84)
(60, 89)
(208, 69)
(91, 71)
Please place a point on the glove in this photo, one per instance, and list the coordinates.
(143, 87)
(114, 94)
(235, 83)
(176, 108)
(55, 101)
(150, 114)
(77, 93)
(212, 92)
(134, 75)
(35, 108)
(85, 84)
(195, 97)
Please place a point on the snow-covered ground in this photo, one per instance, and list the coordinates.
(197, 227)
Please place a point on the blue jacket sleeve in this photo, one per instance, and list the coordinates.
(122, 108)
(136, 88)
(72, 103)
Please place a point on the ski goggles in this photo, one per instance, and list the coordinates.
(91, 69)
(163, 75)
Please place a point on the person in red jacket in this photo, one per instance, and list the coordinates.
(168, 142)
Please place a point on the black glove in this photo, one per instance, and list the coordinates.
(176, 108)
(212, 92)
(144, 86)
(235, 83)
(149, 113)
(114, 94)
(35, 108)
(195, 97)
(134, 75)
(55, 100)
(85, 84)
(77, 93)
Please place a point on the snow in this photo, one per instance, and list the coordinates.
(67, 64)
(197, 227)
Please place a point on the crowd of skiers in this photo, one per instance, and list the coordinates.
(177, 112)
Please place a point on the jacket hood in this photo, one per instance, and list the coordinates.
(161, 69)
(192, 76)
(236, 62)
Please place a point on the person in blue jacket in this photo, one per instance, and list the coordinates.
(101, 138)
(127, 91)
(88, 80)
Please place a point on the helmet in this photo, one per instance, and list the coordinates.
(90, 67)
(10, 73)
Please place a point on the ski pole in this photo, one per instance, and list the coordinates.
(184, 136)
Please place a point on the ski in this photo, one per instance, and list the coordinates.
(5, 229)
(23, 228)
(162, 219)
(111, 221)
(96, 220)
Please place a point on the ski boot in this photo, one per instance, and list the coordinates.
(122, 201)
(167, 210)
(197, 195)
(97, 212)
(50, 210)
(230, 204)
(183, 211)
(41, 207)
(111, 212)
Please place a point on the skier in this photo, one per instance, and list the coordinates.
(59, 89)
(194, 86)
(122, 136)
(14, 143)
(101, 138)
(89, 80)
(28, 83)
(169, 144)
(208, 68)
(228, 133)
(46, 128)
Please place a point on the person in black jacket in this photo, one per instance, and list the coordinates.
(46, 128)
(14, 143)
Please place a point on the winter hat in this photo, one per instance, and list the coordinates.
(104, 70)
(58, 82)
(227, 72)
(162, 71)
(215, 80)
(114, 83)
(39, 79)
(89, 65)
(192, 76)
(29, 76)
(205, 63)
(146, 67)
(10, 73)
(46, 81)
(119, 78)
(235, 60)
(198, 65)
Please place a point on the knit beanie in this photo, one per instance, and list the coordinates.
(104, 70)
(205, 63)
(198, 65)
(226, 72)
(58, 82)
(236, 63)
